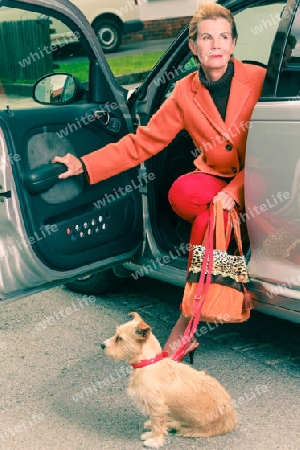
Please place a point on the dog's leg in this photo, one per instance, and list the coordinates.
(156, 437)
(186, 431)
(147, 425)
(173, 425)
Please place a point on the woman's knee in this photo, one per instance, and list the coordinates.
(183, 198)
(179, 190)
(190, 193)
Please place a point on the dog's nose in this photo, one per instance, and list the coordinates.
(103, 346)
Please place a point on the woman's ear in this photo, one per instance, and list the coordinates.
(193, 47)
(233, 45)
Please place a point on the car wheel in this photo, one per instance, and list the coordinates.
(109, 34)
(96, 283)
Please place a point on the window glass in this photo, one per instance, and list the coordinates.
(188, 66)
(257, 27)
(289, 73)
(31, 46)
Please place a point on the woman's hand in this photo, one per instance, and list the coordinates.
(72, 163)
(227, 202)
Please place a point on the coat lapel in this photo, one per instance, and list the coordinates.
(236, 101)
(206, 105)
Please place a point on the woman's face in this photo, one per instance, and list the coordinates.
(213, 46)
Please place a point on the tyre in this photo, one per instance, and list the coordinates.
(109, 34)
(96, 283)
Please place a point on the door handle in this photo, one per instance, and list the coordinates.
(110, 123)
(102, 116)
(43, 177)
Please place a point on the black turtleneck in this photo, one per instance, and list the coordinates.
(219, 90)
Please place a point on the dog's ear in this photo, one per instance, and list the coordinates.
(142, 331)
(135, 316)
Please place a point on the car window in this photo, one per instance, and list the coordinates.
(188, 66)
(289, 70)
(29, 51)
(257, 27)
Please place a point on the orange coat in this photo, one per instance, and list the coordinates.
(221, 145)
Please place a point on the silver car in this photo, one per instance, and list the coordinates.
(59, 97)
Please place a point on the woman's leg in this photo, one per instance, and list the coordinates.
(190, 196)
(174, 340)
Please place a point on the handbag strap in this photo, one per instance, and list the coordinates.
(235, 221)
(218, 214)
(202, 288)
(248, 303)
(222, 236)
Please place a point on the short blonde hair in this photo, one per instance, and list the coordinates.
(209, 11)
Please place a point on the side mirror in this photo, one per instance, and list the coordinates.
(57, 89)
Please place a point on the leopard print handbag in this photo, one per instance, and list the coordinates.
(233, 266)
(223, 294)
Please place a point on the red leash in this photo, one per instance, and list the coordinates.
(202, 289)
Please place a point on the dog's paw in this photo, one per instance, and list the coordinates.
(147, 435)
(154, 442)
(173, 425)
(147, 425)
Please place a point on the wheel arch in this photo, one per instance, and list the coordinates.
(109, 16)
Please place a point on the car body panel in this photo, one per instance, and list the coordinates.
(125, 11)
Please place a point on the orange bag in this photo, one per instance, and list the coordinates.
(220, 295)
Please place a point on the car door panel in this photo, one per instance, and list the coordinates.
(72, 227)
(84, 217)
(272, 178)
(272, 192)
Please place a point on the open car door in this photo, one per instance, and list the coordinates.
(54, 230)
(272, 178)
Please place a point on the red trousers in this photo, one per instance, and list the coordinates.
(190, 196)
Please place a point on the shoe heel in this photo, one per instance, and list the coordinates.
(191, 356)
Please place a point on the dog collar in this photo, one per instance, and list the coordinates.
(147, 362)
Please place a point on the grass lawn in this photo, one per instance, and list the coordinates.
(134, 63)
(119, 66)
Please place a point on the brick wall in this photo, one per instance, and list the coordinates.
(158, 29)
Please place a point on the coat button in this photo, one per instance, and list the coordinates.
(228, 147)
(234, 170)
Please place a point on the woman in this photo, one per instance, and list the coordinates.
(214, 105)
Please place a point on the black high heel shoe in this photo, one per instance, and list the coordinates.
(190, 350)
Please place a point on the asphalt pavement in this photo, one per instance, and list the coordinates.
(60, 392)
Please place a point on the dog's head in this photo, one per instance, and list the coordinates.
(127, 343)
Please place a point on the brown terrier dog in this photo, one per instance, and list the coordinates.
(174, 395)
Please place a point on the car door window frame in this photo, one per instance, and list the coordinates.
(277, 54)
